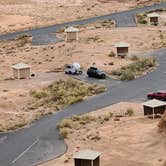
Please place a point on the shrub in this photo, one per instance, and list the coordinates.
(138, 67)
(112, 54)
(111, 63)
(130, 112)
(106, 118)
(142, 18)
(65, 123)
(38, 95)
(63, 93)
(23, 39)
(111, 114)
(64, 132)
(86, 118)
(127, 75)
(74, 99)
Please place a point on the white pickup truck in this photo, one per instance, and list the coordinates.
(74, 68)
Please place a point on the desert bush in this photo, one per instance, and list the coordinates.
(38, 95)
(65, 123)
(127, 75)
(106, 117)
(136, 68)
(63, 93)
(130, 112)
(142, 18)
(23, 40)
(111, 114)
(64, 132)
(86, 119)
(111, 63)
(112, 54)
(96, 137)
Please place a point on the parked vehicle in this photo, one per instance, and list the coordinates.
(95, 72)
(74, 68)
(160, 95)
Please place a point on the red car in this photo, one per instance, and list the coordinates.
(160, 95)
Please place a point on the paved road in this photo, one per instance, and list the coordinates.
(41, 140)
(45, 35)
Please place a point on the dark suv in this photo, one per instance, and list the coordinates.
(95, 72)
(160, 95)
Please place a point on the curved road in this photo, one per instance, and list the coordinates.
(45, 35)
(41, 141)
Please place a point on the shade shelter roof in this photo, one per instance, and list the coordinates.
(153, 15)
(71, 29)
(154, 103)
(21, 66)
(122, 44)
(87, 155)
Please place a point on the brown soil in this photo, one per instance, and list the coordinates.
(14, 97)
(93, 48)
(133, 141)
(16, 15)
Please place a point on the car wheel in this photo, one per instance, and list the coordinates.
(89, 75)
(103, 76)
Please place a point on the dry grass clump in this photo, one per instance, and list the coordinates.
(112, 54)
(63, 93)
(137, 68)
(23, 40)
(142, 18)
(75, 123)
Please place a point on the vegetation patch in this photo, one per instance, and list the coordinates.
(23, 40)
(63, 93)
(137, 68)
(75, 123)
(142, 18)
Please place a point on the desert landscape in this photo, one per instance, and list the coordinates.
(133, 140)
(52, 58)
(18, 15)
(120, 131)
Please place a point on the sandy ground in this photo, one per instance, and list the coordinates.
(16, 15)
(133, 141)
(14, 98)
(93, 48)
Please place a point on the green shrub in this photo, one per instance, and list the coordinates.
(130, 112)
(65, 123)
(38, 95)
(127, 75)
(23, 40)
(86, 118)
(111, 114)
(111, 63)
(112, 54)
(63, 93)
(142, 18)
(64, 132)
(138, 67)
(74, 99)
